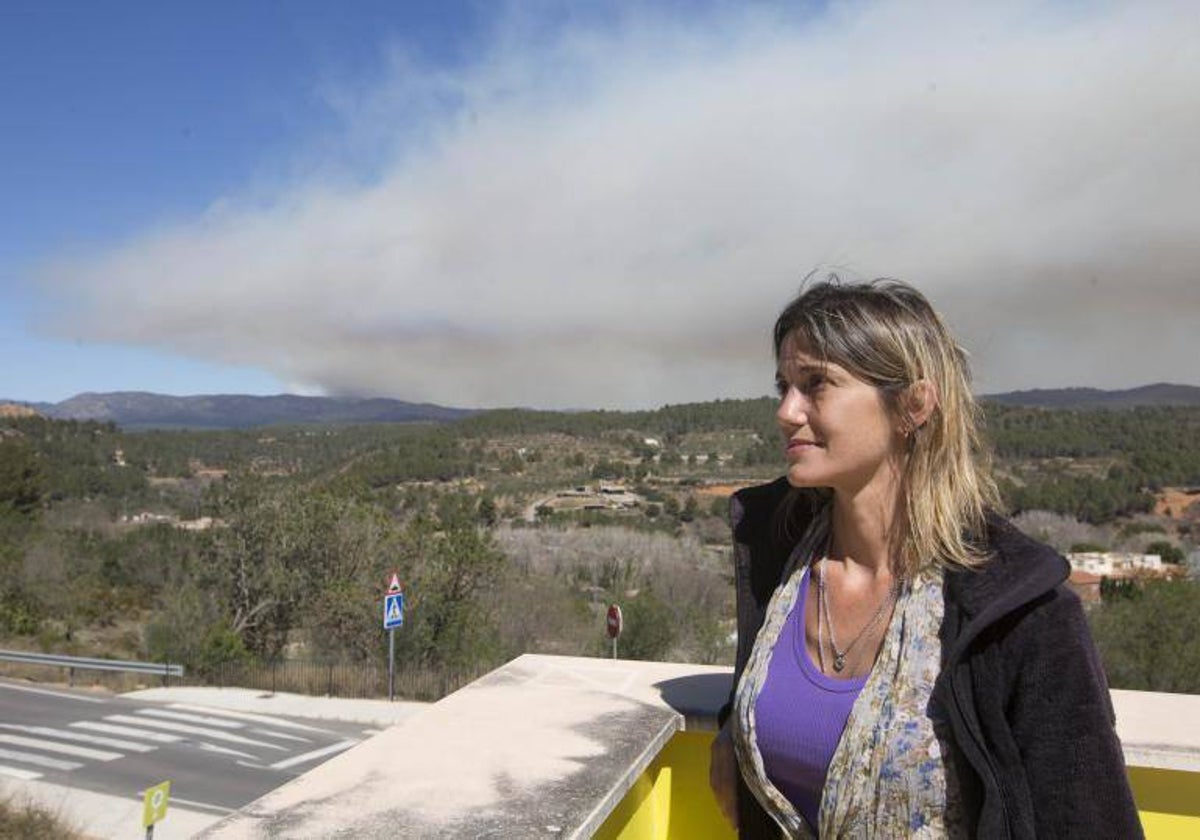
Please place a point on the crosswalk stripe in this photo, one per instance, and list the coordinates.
(127, 731)
(18, 773)
(79, 736)
(207, 747)
(285, 736)
(56, 747)
(191, 730)
(315, 754)
(191, 803)
(39, 760)
(64, 695)
(206, 720)
(278, 723)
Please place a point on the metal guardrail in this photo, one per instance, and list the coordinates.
(87, 663)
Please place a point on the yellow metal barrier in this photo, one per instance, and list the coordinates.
(671, 799)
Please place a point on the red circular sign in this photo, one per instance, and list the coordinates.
(614, 621)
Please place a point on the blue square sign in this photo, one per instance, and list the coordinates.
(393, 610)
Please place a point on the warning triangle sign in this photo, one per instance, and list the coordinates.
(394, 583)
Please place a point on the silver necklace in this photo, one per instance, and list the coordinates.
(839, 656)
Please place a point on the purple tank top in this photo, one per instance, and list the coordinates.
(799, 715)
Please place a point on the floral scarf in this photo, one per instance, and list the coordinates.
(888, 776)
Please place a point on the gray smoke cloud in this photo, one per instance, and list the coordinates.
(615, 217)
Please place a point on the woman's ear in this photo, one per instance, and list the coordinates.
(917, 404)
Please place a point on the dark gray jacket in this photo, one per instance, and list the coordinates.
(1021, 685)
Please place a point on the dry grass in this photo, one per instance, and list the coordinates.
(1175, 502)
(30, 821)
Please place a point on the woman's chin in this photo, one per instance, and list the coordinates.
(799, 479)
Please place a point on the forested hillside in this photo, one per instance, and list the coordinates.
(215, 546)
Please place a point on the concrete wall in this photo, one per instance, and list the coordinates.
(568, 747)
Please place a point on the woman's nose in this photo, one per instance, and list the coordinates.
(793, 410)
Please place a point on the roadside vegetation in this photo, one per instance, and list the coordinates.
(512, 530)
(29, 821)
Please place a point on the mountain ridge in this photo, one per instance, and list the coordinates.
(144, 409)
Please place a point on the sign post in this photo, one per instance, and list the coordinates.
(393, 617)
(154, 806)
(613, 625)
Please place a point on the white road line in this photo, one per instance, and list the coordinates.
(207, 747)
(39, 760)
(18, 773)
(56, 747)
(315, 754)
(220, 809)
(127, 731)
(61, 694)
(79, 736)
(282, 735)
(207, 720)
(270, 721)
(191, 730)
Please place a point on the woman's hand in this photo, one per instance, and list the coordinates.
(723, 774)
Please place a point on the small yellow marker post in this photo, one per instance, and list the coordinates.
(154, 807)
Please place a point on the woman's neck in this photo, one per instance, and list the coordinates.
(862, 530)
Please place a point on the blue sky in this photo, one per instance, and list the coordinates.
(126, 116)
(582, 204)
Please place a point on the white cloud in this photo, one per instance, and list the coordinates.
(614, 217)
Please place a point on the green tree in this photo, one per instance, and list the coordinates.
(1148, 643)
(690, 510)
(22, 481)
(649, 628)
(454, 570)
(1168, 552)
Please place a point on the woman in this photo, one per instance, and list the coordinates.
(908, 664)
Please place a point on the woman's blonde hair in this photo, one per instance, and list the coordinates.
(886, 333)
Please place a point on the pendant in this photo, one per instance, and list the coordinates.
(839, 662)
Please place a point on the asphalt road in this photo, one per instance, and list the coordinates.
(217, 761)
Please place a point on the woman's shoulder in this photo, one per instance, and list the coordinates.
(755, 512)
(1019, 570)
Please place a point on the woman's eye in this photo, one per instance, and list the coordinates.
(781, 386)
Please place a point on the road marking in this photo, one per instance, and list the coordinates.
(282, 735)
(192, 730)
(186, 718)
(127, 731)
(315, 754)
(79, 736)
(18, 773)
(61, 694)
(55, 747)
(270, 721)
(220, 809)
(207, 747)
(39, 760)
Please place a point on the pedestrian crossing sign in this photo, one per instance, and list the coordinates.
(393, 610)
(154, 807)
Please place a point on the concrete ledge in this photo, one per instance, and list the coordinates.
(1158, 730)
(548, 746)
(542, 747)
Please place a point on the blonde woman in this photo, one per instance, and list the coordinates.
(908, 664)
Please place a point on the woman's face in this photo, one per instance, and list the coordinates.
(836, 428)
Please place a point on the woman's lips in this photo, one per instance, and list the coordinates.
(802, 445)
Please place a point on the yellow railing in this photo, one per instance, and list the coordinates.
(671, 799)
